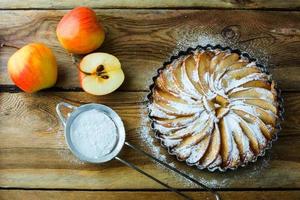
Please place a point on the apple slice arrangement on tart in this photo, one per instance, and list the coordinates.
(33, 67)
(215, 108)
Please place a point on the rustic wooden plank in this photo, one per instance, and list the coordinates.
(253, 4)
(33, 153)
(144, 39)
(153, 195)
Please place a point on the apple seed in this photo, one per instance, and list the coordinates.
(105, 77)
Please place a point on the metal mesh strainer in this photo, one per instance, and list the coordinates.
(113, 154)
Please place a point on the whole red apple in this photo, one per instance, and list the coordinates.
(33, 67)
(79, 31)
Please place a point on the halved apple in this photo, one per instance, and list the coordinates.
(100, 73)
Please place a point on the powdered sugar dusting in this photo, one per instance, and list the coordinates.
(183, 136)
(193, 40)
(205, 38)
(93, 134)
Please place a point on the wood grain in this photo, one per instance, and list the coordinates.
(144, 39)
(227, 4)
(33, 153)
(68, 195)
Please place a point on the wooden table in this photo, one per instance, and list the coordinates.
(34, 160)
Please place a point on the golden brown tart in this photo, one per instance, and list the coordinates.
(214, 108)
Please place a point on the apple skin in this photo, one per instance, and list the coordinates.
(101, 82)
(79, 32)
(33, 67)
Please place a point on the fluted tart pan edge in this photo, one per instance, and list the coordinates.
(243, 55)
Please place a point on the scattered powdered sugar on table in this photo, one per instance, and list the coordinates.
(93, 134)
(193, 40)
(254, 48)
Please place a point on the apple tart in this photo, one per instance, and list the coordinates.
(214, 108)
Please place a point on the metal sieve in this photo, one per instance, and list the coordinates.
(75, 111)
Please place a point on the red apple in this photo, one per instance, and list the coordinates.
(33, 67)
(100, 73)
(79, 31)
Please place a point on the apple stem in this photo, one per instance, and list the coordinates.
(75, 62)
(86, 73)
(74, 59)
(8, 45)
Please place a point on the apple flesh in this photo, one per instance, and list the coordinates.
(79, 31)
(33, 67)
(100, 73)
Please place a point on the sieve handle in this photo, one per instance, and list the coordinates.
(58, 111)
(152, 177)
(215, 194)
